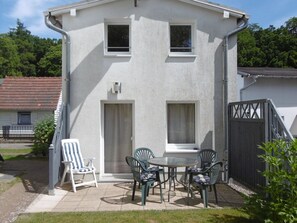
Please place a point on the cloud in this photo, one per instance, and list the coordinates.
(24, 9)
(30, 12)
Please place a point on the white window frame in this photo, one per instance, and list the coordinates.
(183, 147)
(193, 39)
(116, 22)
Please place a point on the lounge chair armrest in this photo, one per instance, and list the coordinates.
(90, 161)
(67, 162)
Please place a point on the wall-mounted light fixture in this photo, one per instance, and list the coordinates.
(116, 87)
(73, 12)
(226, 15)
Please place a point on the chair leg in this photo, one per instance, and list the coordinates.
(164, 178)
(204, 195)
(144, 189)
(215, 192)
(95, 179)
(161, 194)
(189, 184)
(133, 192)
(63, 178)
(73, 182)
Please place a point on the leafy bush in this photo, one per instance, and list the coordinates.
(277, 202)
(43, 135)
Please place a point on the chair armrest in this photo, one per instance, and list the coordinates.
(67, 162)
(90, 161)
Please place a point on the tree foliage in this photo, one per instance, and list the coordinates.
(22, 54)
(9, 57)
(271, 47)
(43, 135)
(277, 201)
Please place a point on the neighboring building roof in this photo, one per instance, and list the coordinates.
(30, 93)
(90, 3)
(270, 72)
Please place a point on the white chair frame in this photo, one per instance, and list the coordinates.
(74, 164)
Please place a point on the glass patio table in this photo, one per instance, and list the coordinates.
(172, 163)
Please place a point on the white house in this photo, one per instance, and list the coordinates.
(278, 84)
(147, 73)
(25, 101)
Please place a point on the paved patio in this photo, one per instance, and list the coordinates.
(117, 197)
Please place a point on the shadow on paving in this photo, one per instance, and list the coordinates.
(31, 180)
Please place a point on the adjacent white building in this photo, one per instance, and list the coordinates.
(277, 84)
(149, 73)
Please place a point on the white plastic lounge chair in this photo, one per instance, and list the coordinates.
(74, 163)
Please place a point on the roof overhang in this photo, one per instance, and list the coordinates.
(56, 11)
(267, 72)
(217, 8)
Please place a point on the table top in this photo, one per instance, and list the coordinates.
(173, 161)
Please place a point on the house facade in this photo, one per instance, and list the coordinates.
(278, 84)
(147, 74)
(25, 101)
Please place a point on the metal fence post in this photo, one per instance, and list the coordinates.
(51, 186)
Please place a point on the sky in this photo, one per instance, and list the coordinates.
(30, 12)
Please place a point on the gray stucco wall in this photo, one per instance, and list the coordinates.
(149, 77)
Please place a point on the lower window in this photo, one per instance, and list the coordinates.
(181, 123)
(24, 118)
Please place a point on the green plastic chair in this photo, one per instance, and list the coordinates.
(142, 176)
(143, 155)
(206, 158)
(207, 178)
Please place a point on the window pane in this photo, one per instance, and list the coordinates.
(181, 123)
(24, 118)
(118, 38)
(180, 38)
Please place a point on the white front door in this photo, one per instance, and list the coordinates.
(117, 137)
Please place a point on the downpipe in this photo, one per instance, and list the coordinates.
(243, 23)
(55, 25)
(52, 23)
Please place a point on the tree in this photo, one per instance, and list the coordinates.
(9, 58)
(29, 55)
(50, 64)
(271, 47)
(291, 25)
(250, 55)
(24, 42)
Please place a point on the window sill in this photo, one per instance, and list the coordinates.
(182, 55)
(181, 151)
(182, 148)
(118, 55)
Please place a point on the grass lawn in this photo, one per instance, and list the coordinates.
(176, 216)
(19, 154)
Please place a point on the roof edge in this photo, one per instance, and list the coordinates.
(90, 3)
(217, 7)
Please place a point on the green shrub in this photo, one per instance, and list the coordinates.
(277, 202)
(43, 135)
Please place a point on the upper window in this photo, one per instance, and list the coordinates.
(118, 38)
(24, 118)
(181, 39)
(181, 123)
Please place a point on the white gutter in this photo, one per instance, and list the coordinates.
(250, 84)
(225, 81)
(58, 28)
